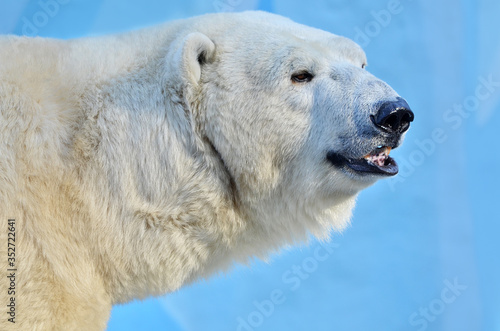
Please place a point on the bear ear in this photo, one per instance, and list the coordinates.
(189, 55)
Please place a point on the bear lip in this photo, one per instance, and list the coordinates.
(377, 162)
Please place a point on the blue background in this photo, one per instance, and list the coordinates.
(422, 252)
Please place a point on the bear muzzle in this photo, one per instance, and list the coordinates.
(391, 120)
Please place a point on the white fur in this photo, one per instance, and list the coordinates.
(133, 168)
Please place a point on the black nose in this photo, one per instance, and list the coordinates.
(393, 116)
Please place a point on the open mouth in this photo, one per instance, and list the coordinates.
(376, 162)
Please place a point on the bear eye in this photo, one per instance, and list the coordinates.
(302, 77)
(363, 65)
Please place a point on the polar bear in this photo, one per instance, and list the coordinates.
(133, 164)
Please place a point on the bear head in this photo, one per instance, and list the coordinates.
(297, 122)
